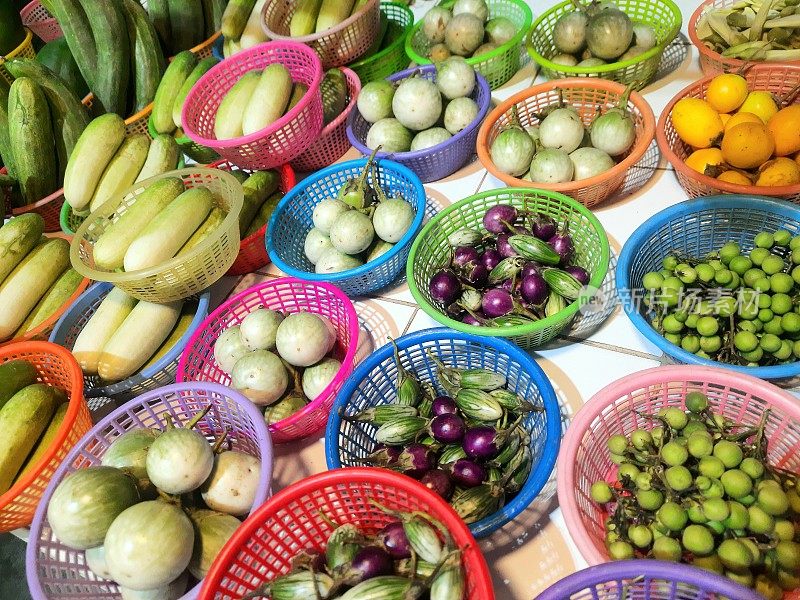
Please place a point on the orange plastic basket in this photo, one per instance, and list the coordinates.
(778, 79)
(203, 50)
(55, 366)
(136, 123)
(588, 96)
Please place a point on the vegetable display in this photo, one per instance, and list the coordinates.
(242, 29)
(740, 135)
(693, 486)
(732, 305)
(261, 196)
(317, 16)
(57, 57)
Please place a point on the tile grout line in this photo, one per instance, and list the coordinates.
(611, 348)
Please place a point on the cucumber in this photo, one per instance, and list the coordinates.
(209, 226)
(12, 32)
(180, 99)
(359, 4)
(110, 314)
(253, 33)
(32, 144)
(43, 445)
(75, 25)
(230, 47)
(122, 170)
(186, 19)
(298, 91)
(230, 113)
(161, 239)
(241, 176)
(15, 375)
(6, 153)
(177, 72)
(334, 94)
(53, 299)
(394, 32)
(332, 12)
(181, 327)
(257, 188)
(163, 156)
(57, 57)
(110, 248)
(95, 148)
(384, 26)
(269, 99)
(158, 10)
(17, 238)
(263, 215)
(22, 420)
(304, 19)
(212, 16)
(28, 282)
(235, 17)
(147, 60)
(137, 339)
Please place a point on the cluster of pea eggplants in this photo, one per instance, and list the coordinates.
(467, 445)
(695, 487)
(408, 558)
(520, 269)
(732, 306)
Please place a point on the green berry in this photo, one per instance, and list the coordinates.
(620, 550)
(674, 454)
(652, 281)
(667, 548)
(745, 341)
(781, 283)
(697, 539)
(678, 478)
(705, 272)
(711, 466)
(734, 555)
(649, 499)
(782, 237)
(764, 240)
(772, 264)
(715, 509)
(736, 483)
(617, 444)
(672, 516)
(729, 453)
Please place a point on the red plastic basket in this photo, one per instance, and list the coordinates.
(39, 20)
(281, 141)
(287, 295)
(292, 520)
(332, 142)
(48, 207)
(253, 251)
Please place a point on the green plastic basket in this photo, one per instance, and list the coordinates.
(662, 15)
(392, 58)
(497, 66)
(431, 252)
(199, 154)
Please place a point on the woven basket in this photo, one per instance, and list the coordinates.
(24, 50)
(392, 58)
(39, 20)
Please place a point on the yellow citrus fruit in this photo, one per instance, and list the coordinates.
(785, 130)
(741, 117)
(696, 122)
(747, 146)
(727, 92)
(725, 118)
(700, 159)
(735, 177)
(781, 171)
(760, 103)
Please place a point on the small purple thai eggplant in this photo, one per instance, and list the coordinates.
(468, 473)
(444, 405)
(447, 428)
(440, 482)
(393, 539)
(415, 460)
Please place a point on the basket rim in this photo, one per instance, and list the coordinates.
(31, 6)
(24, 44)
(638, 150)
(348, 477)
(646, 229)
(21, 210)
(350, 352)
(76, 401)
(607, 68)
(593, 408)
(595, 282)
(483, 109)
(401, 244)
(680, 165)
(199, 88)
(399, 42)
(485, 57)
(206, 43)
(552, 431)
(110, 207)
(313, 37)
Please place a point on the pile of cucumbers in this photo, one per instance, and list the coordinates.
(241, 26)
(261, 196)
(316, 16)
(35, 276)
(30, 415)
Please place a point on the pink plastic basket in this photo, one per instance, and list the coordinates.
(276, 144)
(39, 20)
(585, 458)
(286, 295)
(332, 143)
(57, 571)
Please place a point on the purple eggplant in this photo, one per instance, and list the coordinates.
(562, 244)
(445, 287)
(504, 247)
(464, 255)
(394, 540)
(468, 473)
(578, 273)
(499, 218)
(490, 258)
(480, 442)
(543, 227)
(497, 302)
(530, 268)
(448, 428)
(534, 289)
(415, 460)
(444, 405)
(438, 481)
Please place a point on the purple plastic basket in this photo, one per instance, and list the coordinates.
(430, 164)
(56, 571)
(646, 579)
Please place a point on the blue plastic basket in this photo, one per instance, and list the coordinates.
(157, 375)
(216, 49)
(372, 384)
(697, 227)
(292, 220)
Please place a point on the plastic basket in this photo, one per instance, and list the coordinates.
(263, 547)
(292, 220)
(205, 49)
(332, 142)
(276, 144)
(337, 46)
(697, 227)
(159, 374)
(54, 366)
(348, 443)
(651, 579)
(498, 65)
(590, 99)
(287, 295)
(778, 79)
(392, 58)
(49, 207)
(56, 571)
(585, 458)
(252, 250)
(181, 276)
(437, 162)
(24, 50)
(431, 251)
(662, 15)
(39, 20)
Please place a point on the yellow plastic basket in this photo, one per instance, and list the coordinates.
(24, 50)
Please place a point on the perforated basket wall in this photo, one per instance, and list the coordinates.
(39, 20)
(24, 50)
(391, 57)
